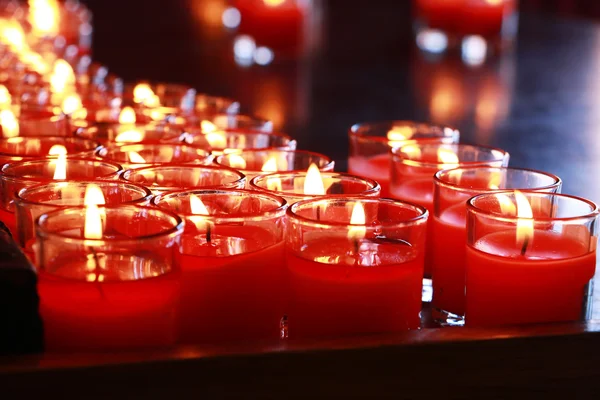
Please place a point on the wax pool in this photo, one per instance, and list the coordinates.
(330, 295)
(547, 284)
(112, 314)
(376, 168)
(233, 287)
(449, 239)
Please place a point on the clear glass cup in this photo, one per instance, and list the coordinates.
(38, 121)
(228, 141)
(169, 94)
(164, 178)
(31, 202)
(370, 143)
(21, 148)
(137, 155)
(448, 225)
(253, 162)
(531, 258)
(354, 266)
(109, 133)
(231, 257)
(123, 286)
(293, 186)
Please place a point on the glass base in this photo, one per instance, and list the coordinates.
(445, 318)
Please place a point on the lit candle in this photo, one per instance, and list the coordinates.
(232, 264)
(355, 266)
(21, 148)
(370, 145)
(530, 258)
(107, 277)
(137, 155)
(449, 225)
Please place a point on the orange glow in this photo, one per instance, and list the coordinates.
(10, 124)
(273, 3)
(525, 218)
(44, 17)
(60, 169)
(127, 116)
(236, 161)
(313, 183)
(270, 165)
(448, 158)
(357, 218)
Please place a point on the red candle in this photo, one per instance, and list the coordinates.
(414, 165)
(224, 141)
(138, 155)
(370, 145)
(30, 147)
(231, 258)
(525, 266)
(108, 279)
(449, 227)
(354, 279)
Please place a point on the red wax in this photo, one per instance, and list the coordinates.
(449, 241)
(10, 220)
(339, 297)
(547, 284)
(229, 297)
(465, 17)
(88, 316)
(376, 168)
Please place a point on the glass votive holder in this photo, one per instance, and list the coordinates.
(475, 27)
(448, 226)
(150, 95)
(210, 105)
(107, 133)
(370, 143)
(232, 263)
(234, 122)
(35, 121)
(531, 258)
(21, 148)
(253, 162)
(36, 200)
(414, 165)
(355, 266)
(18, 175)
(228, 141)
(165, 178)
(138, 155)
(118, 289)
(295, 186)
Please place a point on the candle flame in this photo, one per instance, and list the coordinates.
(270, 165)
(524, 218)
(143, 94)
(10, 125)
(60, 168)
(13, 35)
(207, 126)
(5, 97)
(135, 157)
(236, 161)
(313, 183)
(448, 158)
(197, 206)
(399, 134)
(357, 218)
(412, 151)
(62, 76)
(93, 217)
(130, 136)
(273, 3)
(127, 116)
(217, 140)
(44, 17)
(72, 106)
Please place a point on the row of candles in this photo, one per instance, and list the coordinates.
(157, 216)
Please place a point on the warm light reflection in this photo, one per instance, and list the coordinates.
(448, 158)
(5, 98)
(93, 217)
(447, 99)
(10, 124)
(130, 136)
(62, 76)
(135, 157)
(507, 207)
(357, 218)
(143, 94)
(197, 206)
(412, 152)
(524, 218)
(236, 161)
(44, 17)
(398, 134)
(127, 116)
(12, 34)
(218, 140)
(313, 183)
(273, 3)
(207, 126)
(73, 106)
(270, 165)
(60, 168)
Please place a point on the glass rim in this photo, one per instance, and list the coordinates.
(396, 155)
(125, 175)
(376, 187)
(438, 179)
(239, 117)
(472, 208)
(38, 188)
(292, 215)
(113, 148)
(354, 129)
(46, 138)
(43, 232)
(329, 161)
(277, 212)
(16, 164)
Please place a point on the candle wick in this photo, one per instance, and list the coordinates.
(318, 213)
(525, 244)
(356, 248)
(208, 234)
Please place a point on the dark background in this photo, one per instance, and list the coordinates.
(540, 101)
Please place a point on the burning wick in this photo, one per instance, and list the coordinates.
(356, 233)
(524, 221)
(198, 208)
(524, 246)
